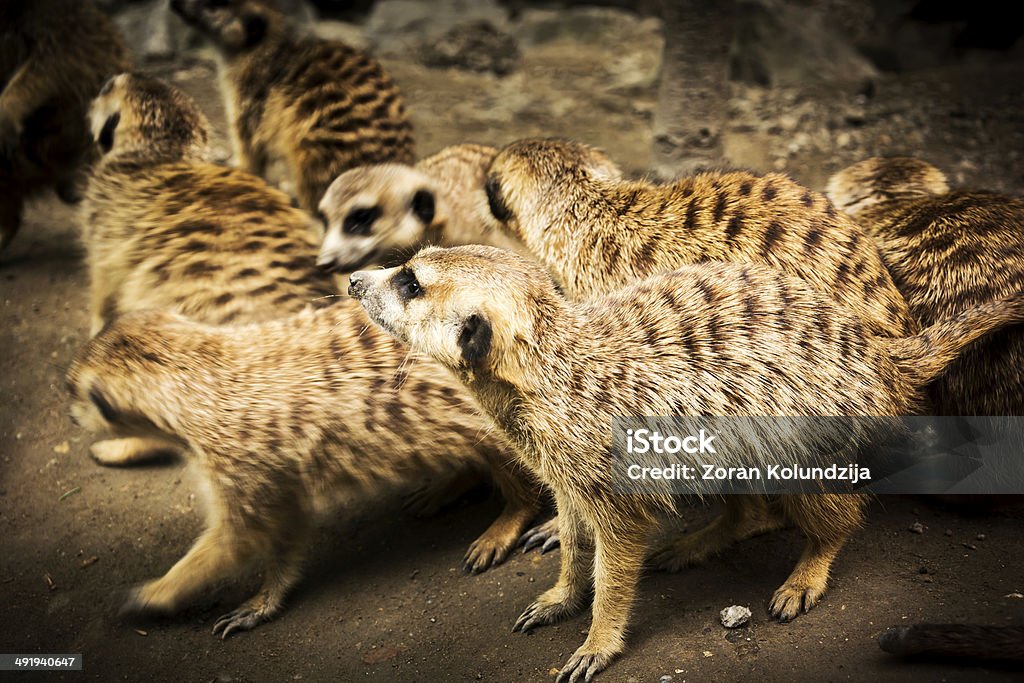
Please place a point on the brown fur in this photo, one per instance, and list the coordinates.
(165, 229)
(596, 233)
(947, 252)
(709, 339)
(278, 419)
(54, 56)
(320, 107)
(383, 212)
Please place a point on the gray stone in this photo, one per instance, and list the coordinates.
(735, 616)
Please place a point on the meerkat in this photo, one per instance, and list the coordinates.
(319, 107)
(54, 56)
(279, 419)
(947, 251)
(164, 228)
(716, 338)
(377, 213)
(596, 233)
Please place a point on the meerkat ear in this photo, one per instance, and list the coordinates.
(106, 136)
(475, 339)
(499, 209)
(423, 206)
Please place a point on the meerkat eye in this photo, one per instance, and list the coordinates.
(407, 285)
(423, 206)
(497, 205)
(360, 221)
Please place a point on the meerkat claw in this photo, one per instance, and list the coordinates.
(582, 667)
(241, 619)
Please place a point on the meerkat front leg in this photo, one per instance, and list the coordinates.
(282, 570)
(216, 555)
(569, 594)
(618, 561)
(131, 450)
(743, 517)
(828, 521)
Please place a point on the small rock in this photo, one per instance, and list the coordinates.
(949, 532)
(1017, 596)
(917, 528)
(735, 616)
(922, 570)
(665, 679)
(980, 537)
(62, 448)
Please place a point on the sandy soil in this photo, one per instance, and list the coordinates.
(384, 598)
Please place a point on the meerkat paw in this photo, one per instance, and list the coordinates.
(543, 535)
(584, 664)
(688, 551)
(550, 608)
(244, 618)
(143, 600)
(793, 599)
(485, 552)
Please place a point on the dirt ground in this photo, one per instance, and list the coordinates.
(384, 598)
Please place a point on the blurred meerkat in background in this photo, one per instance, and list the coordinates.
(54, 56)
(319, 106)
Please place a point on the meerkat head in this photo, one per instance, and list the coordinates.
(375, 213)
(878, 179)
(233, 25)
(103, 382)
(535, 184)
(138, 114)
(474, 309)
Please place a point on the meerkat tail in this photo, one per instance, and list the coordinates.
(925, 356)
(965, 641)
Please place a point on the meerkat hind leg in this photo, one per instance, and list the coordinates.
(742, 518)
(569, 594)
(828, 520)
(131, 450)
(522, 496)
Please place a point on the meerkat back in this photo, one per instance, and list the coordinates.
(948, 251)
(166, 229)
(319, 106)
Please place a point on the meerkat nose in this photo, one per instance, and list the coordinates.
(326, 263)
(357, 284)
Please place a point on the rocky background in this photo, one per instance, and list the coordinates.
(803, 86)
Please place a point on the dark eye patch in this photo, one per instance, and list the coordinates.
(407, 285)
(497, 205)
(106, 137)
(360, 221)
(423, 206)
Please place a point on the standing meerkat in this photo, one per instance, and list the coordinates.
(279, 419)
(54, 56)
(164, 228)
(319, 106)
(596, 233)
(709, 339)
(377, 213)
(947, 252)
